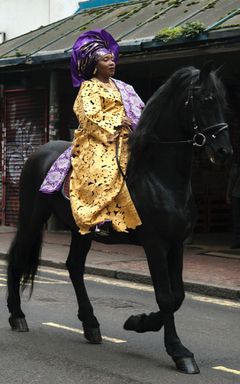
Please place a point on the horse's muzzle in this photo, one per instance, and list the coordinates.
(221, 155)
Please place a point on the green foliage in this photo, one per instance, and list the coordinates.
(176, 3)
(18, 53)
(188, 30)
(82, 28)
(167, 34)
(192, 29)
(192, 3)
(211, 4)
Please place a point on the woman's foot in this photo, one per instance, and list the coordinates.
(103, 229)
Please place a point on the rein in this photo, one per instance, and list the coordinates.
(117, 159)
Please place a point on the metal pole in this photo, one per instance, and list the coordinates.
(53, 127)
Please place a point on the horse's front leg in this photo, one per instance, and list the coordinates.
(183, 358)
(79, 248)
(157, 261)
(166, 282)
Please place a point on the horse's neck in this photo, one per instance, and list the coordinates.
(169, 165)
(174, 165)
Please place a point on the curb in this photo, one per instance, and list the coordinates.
(190, 286)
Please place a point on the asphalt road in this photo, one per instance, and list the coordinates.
(54, 351)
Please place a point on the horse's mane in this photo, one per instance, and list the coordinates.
(162, 110)
(156, 113)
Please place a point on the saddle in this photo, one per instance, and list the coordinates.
(66, 185)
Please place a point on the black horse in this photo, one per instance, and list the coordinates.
(184, 112)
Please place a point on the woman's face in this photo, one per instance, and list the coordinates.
(106, 66)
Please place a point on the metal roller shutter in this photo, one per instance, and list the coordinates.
(1, 148)
(25, 129)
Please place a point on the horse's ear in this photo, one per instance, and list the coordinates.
(205, 71)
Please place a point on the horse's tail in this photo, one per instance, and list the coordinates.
(24, 255)
(34, 210)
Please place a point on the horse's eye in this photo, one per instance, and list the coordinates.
(206, 99)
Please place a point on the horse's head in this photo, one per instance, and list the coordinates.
(188, 109)
(206, 106)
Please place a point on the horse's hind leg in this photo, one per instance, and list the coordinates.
(24, 249)
(79, 248)
(23, 259)
(17, 318)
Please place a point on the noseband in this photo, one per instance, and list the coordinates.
(199, 137)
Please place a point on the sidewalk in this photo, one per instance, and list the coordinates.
(210, 267)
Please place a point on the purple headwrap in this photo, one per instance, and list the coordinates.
(86, 50)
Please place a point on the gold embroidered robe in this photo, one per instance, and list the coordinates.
(98, 191)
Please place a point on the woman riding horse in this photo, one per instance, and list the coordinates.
(98, 193)
(186, 111)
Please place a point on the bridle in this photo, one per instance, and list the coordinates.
(199, 137)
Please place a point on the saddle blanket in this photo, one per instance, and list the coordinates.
(60, 169)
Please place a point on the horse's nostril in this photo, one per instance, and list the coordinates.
(224, 154)
(223, 151)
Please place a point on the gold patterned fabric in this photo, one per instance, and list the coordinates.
(98, 191)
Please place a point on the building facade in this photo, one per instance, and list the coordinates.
(37, 94)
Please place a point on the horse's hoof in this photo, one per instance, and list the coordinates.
(186, 365)
(133, 323)
(19, 324)
(93, 335)
(144, 323)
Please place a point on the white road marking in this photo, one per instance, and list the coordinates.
(3, 285)
(76, 330)
(105, 280)
(146, 288)
(50, 282)
(137, 286)
(224, 369)
(40, 280)
(213, 300)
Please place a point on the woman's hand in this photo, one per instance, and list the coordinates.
(114, 137)
(126, 122)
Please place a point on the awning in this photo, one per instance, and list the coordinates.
(133, 24)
